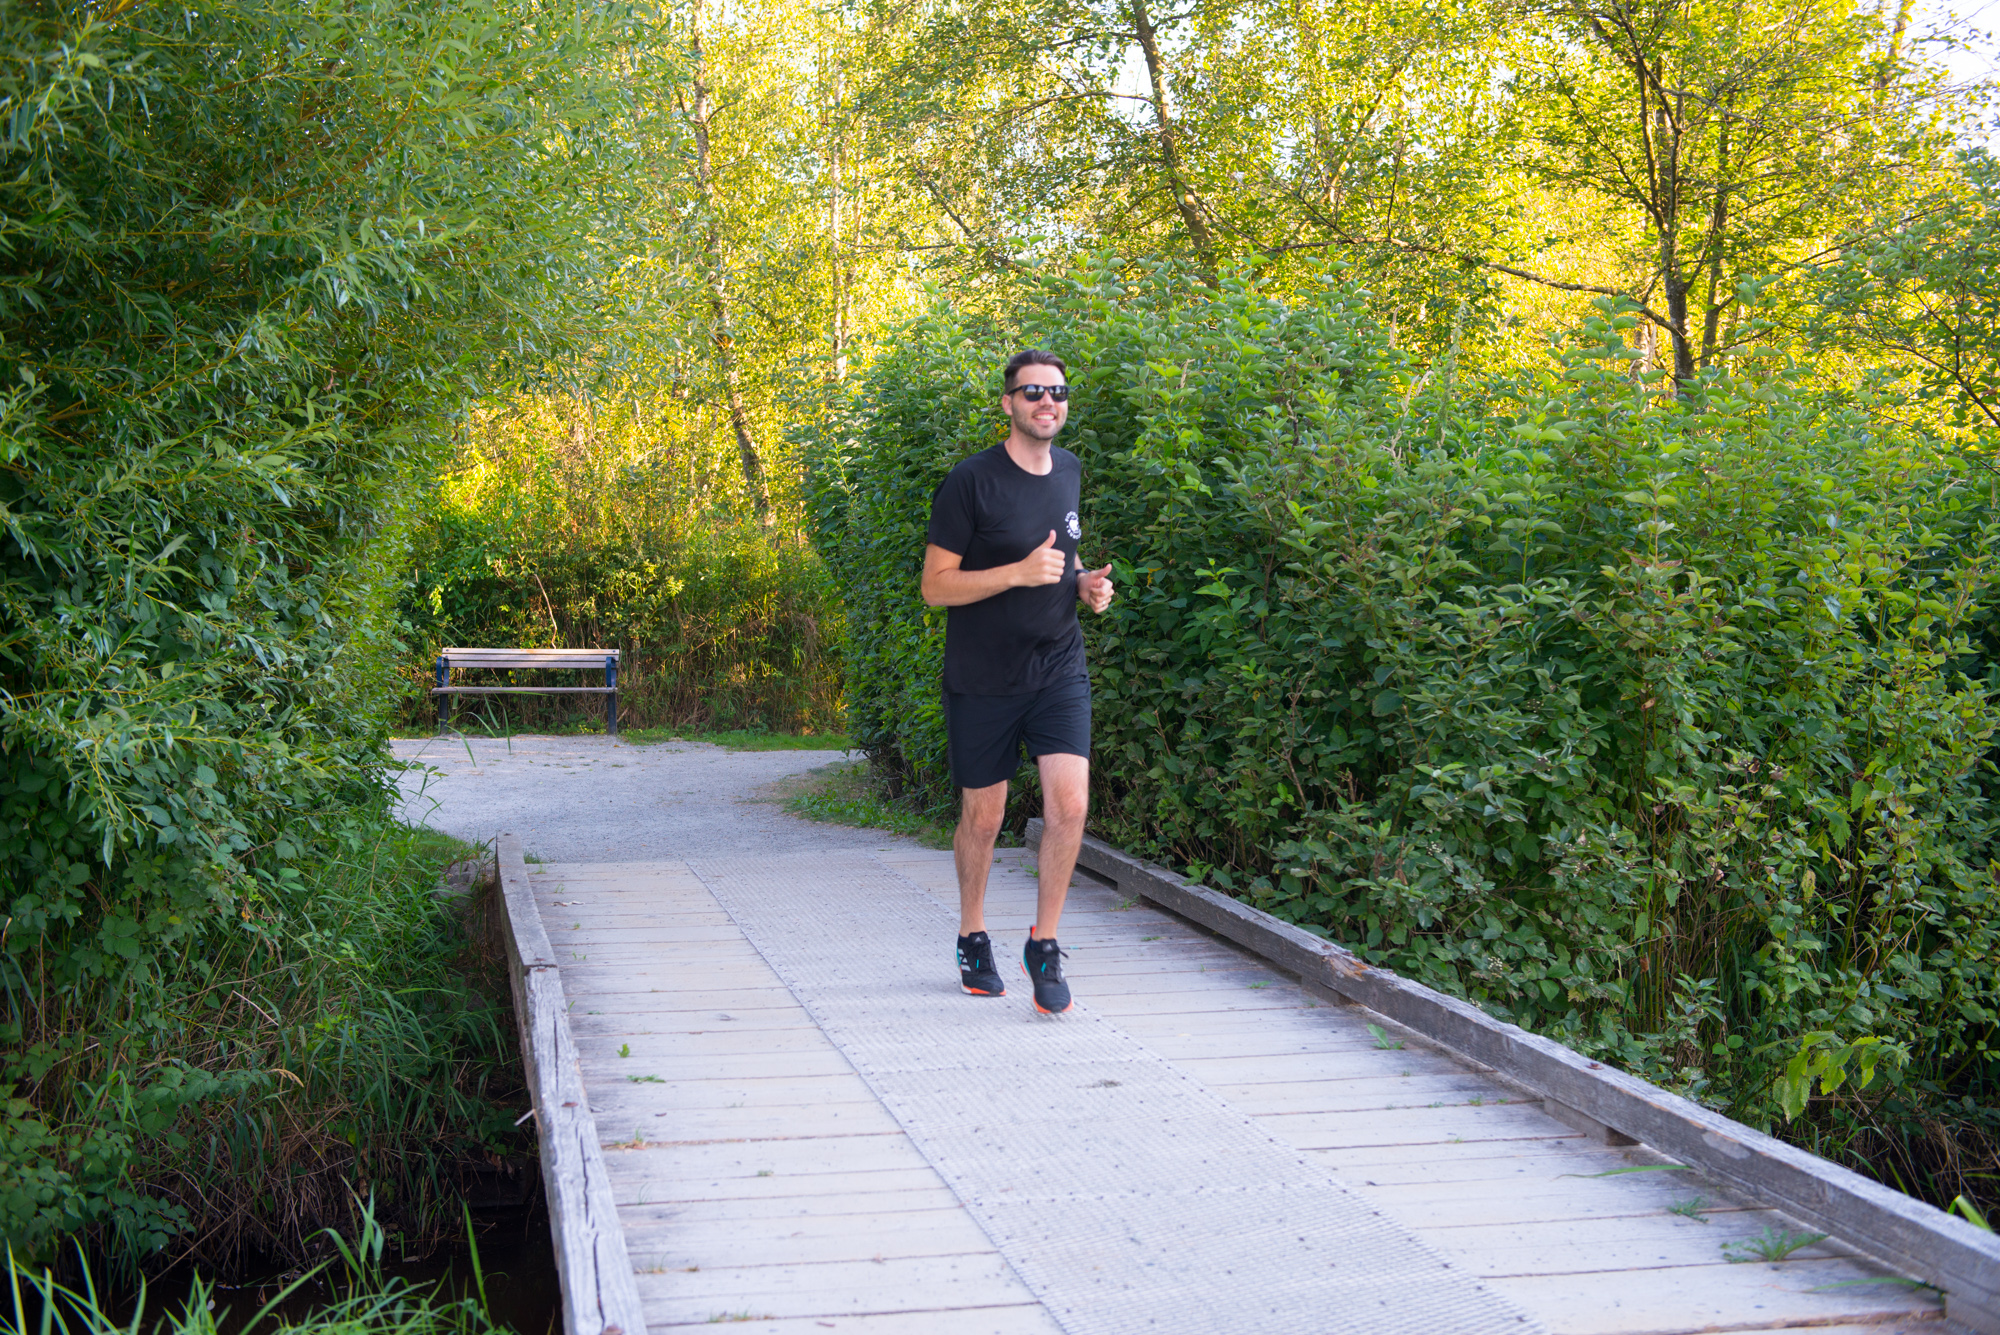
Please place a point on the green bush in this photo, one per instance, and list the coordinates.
(1650, 723)
(348, 1035)
(251, 259)
(561, 529)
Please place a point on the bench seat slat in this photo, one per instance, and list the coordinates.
(524, 690)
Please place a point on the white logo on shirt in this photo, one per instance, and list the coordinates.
(1075, 528)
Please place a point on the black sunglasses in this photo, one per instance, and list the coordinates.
(1033, 393)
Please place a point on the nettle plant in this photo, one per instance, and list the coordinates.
(1648, 721)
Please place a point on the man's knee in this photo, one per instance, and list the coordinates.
(981, 812)
(1067, 809)
(1066, 791)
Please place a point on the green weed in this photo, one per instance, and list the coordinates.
(1773, 1244)
(1970, 1213)
(1691, 1208)
(1382, 1039)
(853, 793)
(742, 739)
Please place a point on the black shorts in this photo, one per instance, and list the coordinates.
(986, 731)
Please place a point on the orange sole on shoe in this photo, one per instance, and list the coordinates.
(975, 992)
(1038, 1005)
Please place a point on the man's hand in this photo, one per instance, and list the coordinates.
(1095, 588)
(1044, 565)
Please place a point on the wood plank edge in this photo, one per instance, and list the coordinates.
(600, 1295)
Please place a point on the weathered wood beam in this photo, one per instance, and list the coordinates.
(600, 1295)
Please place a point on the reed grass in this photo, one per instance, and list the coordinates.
(354, 1037)
(366, 1300)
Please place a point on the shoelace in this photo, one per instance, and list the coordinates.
(1050, 964)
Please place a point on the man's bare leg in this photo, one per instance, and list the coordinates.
(1065, 803)
(980, 813)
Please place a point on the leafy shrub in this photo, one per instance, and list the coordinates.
(570, 529)
(1645, 722)
(250, 260)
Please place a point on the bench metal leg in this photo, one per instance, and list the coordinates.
(611, 700)
(443, 701)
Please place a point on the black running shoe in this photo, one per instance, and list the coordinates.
(1043, 962)
(976, 973)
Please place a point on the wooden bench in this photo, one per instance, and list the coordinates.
(589, 660)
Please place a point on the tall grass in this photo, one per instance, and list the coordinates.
(365, 1301)
(353, 1035)
(567, 526)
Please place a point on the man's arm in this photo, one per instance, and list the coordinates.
(945, 585)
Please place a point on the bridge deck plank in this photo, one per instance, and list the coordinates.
(761, 1182)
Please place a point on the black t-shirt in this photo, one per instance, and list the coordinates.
(992, 512)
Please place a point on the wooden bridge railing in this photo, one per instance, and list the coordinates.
(600, 1296)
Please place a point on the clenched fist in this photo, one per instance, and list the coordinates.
(1095, 588)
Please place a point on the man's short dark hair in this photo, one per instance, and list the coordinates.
(1032, 357)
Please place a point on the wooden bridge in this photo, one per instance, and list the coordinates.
(779, 1116)
(763, 1100)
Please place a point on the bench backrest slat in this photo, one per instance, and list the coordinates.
(528, 658)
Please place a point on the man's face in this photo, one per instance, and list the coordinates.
(1037, 421)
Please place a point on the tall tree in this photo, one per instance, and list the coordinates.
(1734, 136)
(1922, 292)
(700, 110)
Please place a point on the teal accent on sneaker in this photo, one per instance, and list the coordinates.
(977, 975)
(1042, 962)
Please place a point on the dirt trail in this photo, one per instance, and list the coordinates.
(599, 799)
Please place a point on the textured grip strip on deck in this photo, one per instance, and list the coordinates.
(1128, 1196)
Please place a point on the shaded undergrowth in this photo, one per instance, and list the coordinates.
(365, 1299)
(352, 1035)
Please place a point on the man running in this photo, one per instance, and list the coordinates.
(1003, 557)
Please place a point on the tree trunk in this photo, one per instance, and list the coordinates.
(1718, 227)
(721, 331)
(1893, 58)
(838, 159)
(1170, 152)
(1677, 320)
(1666, 212)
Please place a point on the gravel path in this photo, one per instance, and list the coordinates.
(599, 799)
